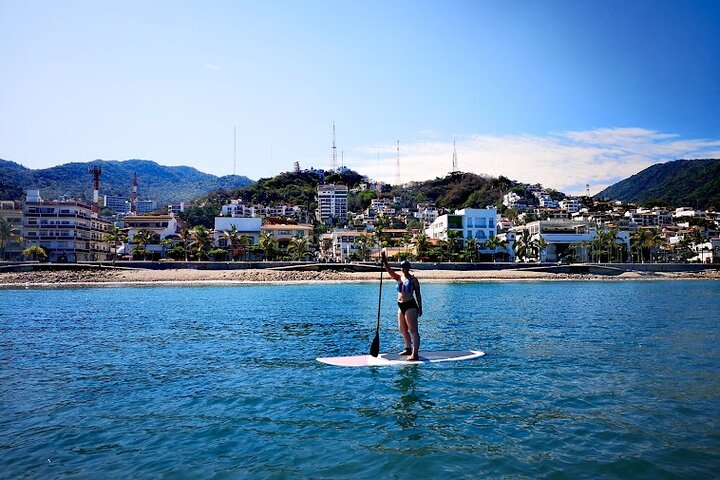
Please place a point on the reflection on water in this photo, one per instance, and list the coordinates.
(412, 400)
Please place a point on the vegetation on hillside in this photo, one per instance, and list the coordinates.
(692, 183)
(456, 190)
(156, 182)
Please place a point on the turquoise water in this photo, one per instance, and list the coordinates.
(581, 379)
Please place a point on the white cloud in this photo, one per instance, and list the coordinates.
(566, 161)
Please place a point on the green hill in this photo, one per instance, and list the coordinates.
(456, 190)
(156, 182)
(691, 183)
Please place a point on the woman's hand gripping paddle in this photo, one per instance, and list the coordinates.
(375, 347)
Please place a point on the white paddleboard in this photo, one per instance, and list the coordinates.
(386, 359)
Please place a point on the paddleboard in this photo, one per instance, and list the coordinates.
(386, 359)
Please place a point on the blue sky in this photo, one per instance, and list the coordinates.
(559, 92)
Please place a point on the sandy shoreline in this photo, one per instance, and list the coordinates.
(184, 276)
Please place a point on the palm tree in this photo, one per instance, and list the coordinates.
(421, 245)
(454, 237)
(493, 244)
(298, 247)
(523, 246)
(185, 236)
(471, 248)
(141, 239)
(8, 235)
(202, 241)
(646, 240)
(115, 236)
(269, 245)
(539, 245)
(233, 239)
(365, 243)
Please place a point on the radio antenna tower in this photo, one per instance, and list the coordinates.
(95, 172)
(234, 150)
(333, 163)
(134, 196)
(397, 165)
(454, 159)
(587, 190)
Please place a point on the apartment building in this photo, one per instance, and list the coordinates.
(119, 205)
(332, 202)
(68, 230)
(346, 243)
(477, 223)
(655, 217)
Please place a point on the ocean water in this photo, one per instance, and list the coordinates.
(581, 380)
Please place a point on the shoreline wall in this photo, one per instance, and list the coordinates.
(576, 268)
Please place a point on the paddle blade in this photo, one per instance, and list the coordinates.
(375, 347)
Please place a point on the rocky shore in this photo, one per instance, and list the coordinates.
(98, 276)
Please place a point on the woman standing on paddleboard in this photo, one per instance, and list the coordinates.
(409, 306)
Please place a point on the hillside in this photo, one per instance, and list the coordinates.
(691, 183)
(156, 182)
(456, 190)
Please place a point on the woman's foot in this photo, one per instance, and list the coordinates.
(407, 351)
(412, 359)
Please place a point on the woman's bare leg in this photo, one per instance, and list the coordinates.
(402, 326)
(411, 325)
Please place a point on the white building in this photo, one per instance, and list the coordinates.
(332, 202)
(572, 205)
(146, 206)
(249, 227)
(116, 204)
(161, 225)
(426, 213)
(477, 223)
(655, 217)
(67, 230)
(345, 243)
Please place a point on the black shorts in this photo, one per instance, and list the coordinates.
(405, 306)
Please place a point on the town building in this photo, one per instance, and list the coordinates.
(161, 225)
(247, 227)
(119, 205)
(477, 223)
(332, 203)
(68, 230)
(146, 206)
(346, 245)
(175, 208)
(283, 234)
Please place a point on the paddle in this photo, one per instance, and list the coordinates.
(375, 347)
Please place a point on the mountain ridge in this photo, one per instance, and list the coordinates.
(679, 183)
(165, 184)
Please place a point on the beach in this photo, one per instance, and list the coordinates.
(105, 275)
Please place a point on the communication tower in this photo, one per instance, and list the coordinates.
(397, 165)
(133, 198)
(454, 159)
(95, 172)
(333, 162)
(587, 190)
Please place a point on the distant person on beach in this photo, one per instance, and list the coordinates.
(409, 306)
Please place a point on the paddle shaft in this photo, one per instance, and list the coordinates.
(377, 330)
(375, 347)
